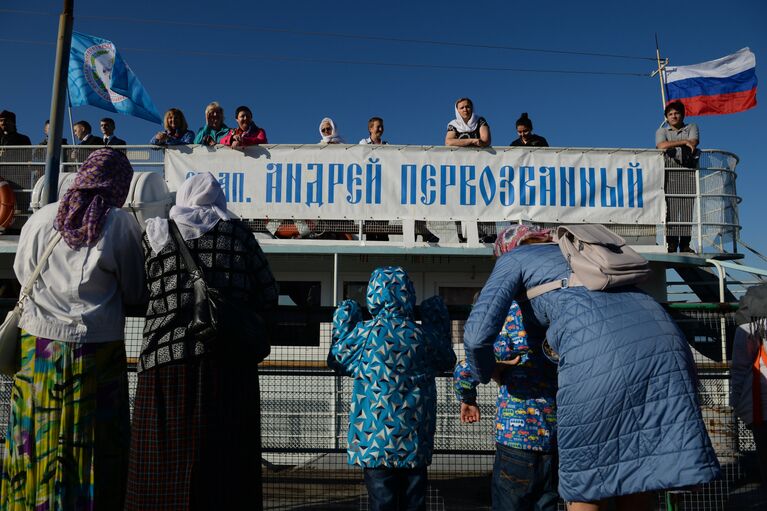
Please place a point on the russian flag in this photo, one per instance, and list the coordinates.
(722, 86)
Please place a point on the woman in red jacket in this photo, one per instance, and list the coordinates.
(246, 133)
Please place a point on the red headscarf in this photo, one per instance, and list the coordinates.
(513, 236)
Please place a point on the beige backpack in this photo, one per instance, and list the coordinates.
(598, 258)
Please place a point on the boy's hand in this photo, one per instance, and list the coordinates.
(469, 413)
(501, 366)
(514, 361)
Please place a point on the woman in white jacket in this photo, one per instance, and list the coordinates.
(69, 432)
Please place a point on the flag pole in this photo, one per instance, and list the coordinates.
(60, 72)
(71, 125)
(660, 72)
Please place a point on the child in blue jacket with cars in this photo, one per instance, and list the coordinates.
(525, 468)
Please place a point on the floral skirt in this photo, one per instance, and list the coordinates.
(69, 428)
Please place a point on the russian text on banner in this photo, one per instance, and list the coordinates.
(722, 86)
(99, 76)
(362, 182)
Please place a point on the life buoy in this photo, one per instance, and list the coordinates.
(289, 229)
(294, 229)
(7, 205)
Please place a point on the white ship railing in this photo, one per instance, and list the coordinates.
(701, 203)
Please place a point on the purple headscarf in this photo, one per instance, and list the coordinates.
(101, 183)
(513, 236)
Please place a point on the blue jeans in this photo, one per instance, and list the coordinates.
(396, 489)
(524, 480)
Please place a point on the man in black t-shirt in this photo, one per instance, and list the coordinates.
(526, 135)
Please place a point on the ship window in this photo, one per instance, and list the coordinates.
(300, 293)
(298, 321)
(458, 295)
(10, 289)
(356, 291)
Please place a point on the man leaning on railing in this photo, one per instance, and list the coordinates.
(680, 143)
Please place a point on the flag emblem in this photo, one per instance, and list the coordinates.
(99, 60)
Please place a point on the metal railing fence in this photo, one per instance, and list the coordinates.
(305, 407)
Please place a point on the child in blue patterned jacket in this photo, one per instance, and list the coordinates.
(393, 361)
(525, 468)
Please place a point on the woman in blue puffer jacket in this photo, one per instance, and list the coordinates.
(629, 420)
(393, 361)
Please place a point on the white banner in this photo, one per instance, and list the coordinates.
(394, 182)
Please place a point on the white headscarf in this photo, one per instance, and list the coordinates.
(462, 126)
(334, 137)
(200, 204)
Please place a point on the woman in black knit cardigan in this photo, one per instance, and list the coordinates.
(196, 421)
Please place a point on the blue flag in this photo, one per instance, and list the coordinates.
(100, 77)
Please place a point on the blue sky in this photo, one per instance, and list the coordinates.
(280, 59)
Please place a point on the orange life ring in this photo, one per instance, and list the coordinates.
(287, 230)
(7, 205)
